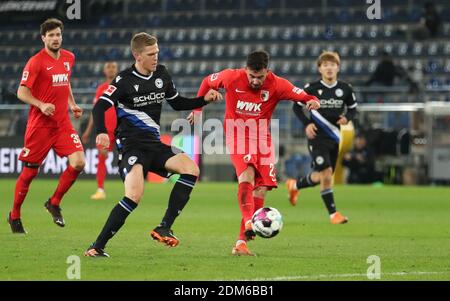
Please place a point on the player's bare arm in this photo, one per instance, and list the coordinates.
(76, 110)
(24, 94)
(211, 96)
(342, 120)
(313, 104)
(87, 133)
(311, 131)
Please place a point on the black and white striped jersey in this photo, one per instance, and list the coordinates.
(335, 100)
(138, 101)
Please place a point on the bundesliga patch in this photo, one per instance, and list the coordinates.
(111, 89)
(132, 160)
(297, 90)
(214, 76)
(25, 75)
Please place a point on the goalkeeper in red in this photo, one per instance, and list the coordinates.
(252, 94)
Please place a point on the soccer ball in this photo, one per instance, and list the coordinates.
(267, 222)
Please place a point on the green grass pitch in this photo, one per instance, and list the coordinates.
(407, 227)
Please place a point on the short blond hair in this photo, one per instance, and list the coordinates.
(142, 40)
(328, 56)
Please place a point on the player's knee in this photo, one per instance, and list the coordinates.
(260, 192)
(78, 164)
(326, 176)
(194, 170)
(248, 175)
(30, 172)
(190, 169)
(135, 196)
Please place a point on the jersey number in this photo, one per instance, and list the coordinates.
(272, 172)
(75, 138)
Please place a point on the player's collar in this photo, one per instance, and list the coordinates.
(136, 73)
(329, 86)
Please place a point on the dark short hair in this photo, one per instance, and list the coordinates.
(51, 24)
(258, 60)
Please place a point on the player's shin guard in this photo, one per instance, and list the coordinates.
(328, 199)
(65, 182)
(305, 182)
(22, 186)
(178, 199)
(115, 221)
(101, 170)
(246, 202)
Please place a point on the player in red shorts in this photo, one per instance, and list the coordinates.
(46, 87)
(252, 94)
(110, 72)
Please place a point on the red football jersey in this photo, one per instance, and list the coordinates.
(248, 105)
(49, 81)
(110, 114)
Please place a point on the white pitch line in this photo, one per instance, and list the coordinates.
(283, 278)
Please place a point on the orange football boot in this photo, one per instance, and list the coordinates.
(241, 250)
(338, 218)
(293, 191)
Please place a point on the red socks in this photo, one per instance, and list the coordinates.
(248, 205)
(245, 198)
(259, 203)
(22, 186)
(101, 170)
(65, 182)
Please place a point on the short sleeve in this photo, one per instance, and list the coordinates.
(30, 73)
(350, 100)
(114, 92)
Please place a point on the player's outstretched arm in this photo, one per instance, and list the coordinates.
(181, 103)
(290, 92)
(24, 94)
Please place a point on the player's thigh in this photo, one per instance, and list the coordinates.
(134, 183)
(244, 166)
(181, 164)
(260, 192)
(132, 157)
(248, 175)
(320, 155)
(37, 144)
(334, 153)
(67, 142)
